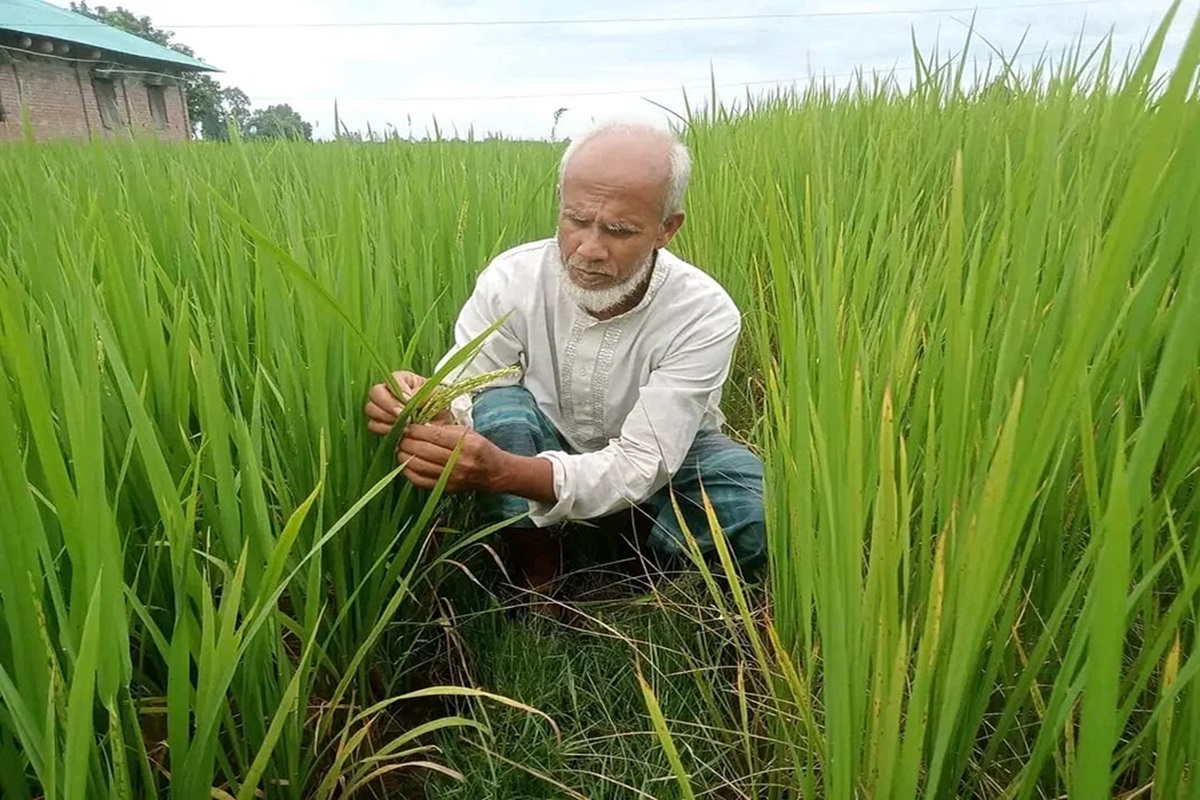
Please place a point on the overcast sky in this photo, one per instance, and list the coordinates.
(510, 78)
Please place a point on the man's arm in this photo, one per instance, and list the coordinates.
(425, 450)
(654, 439)
(525, 476)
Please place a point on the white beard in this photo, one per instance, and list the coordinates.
(600, 300)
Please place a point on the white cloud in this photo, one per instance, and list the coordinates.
(386, 74)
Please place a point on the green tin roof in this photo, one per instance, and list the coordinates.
(37, 18)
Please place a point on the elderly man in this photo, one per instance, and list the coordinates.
(623, 351)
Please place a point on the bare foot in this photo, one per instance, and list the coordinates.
(535, 558)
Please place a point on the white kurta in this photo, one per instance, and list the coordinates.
(628, 394)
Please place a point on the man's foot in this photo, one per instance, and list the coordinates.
(533, 558)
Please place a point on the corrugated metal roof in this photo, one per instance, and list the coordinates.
(36, 18)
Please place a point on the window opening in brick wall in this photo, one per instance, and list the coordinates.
(5, 60)
(158, 106)
(106, 99)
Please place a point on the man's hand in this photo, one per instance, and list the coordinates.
(427, 449)
(481, 465)
(383, 407)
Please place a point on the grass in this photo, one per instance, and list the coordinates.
(607, 749)
(613, 616)
(969, 362)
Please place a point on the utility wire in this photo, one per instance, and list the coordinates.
(547, 95)
(647, 90)
(598, 93)
(613, 20)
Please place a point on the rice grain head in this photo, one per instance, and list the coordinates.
(441, 397)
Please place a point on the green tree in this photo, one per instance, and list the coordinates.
(212, 107)
(233, 107)
(278, 122)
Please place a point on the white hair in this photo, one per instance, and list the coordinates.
(679, 168)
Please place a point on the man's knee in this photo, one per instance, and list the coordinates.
(736, 475)
(730, 476)
(501, 401)
(509, 417)
(503, 407)
(717, 460)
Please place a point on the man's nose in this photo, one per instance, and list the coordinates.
(591, 248)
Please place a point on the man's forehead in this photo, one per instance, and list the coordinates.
(610, 203)
(614, 184)
(619, 154)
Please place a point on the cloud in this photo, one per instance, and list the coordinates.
(479, 76)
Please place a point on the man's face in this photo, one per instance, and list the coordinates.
(610, 223)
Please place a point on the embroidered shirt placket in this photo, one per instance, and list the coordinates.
(587, 429)
(587, 366)
(567, 378)
(604, 365)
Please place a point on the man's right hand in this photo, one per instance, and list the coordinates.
(383, 407)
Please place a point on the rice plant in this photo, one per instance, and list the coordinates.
(204, 554)
(970, 362)
(977, 330)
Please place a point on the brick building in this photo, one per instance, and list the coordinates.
(76, 78)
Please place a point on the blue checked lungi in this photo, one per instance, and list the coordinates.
(732, 477)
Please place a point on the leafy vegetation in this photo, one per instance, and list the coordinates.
(970, 364)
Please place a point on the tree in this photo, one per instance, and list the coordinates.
(212, 107)
(232, 108)
(278, 122)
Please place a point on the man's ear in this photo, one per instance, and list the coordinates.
(670, 227)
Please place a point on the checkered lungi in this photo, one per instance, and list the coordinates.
(731, 474)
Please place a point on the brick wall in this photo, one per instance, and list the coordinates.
(177, 110)
(62, 103)
(136, 104)
(8, 98)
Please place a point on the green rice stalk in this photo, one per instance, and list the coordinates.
(444, 394)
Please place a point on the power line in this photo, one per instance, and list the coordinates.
(598, 93)
(612, 20)
(545, 95)
(618, 92)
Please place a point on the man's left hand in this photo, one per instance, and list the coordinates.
(428, 448)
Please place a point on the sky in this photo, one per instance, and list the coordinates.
(506, 67)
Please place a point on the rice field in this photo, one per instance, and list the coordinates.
(970, 360)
